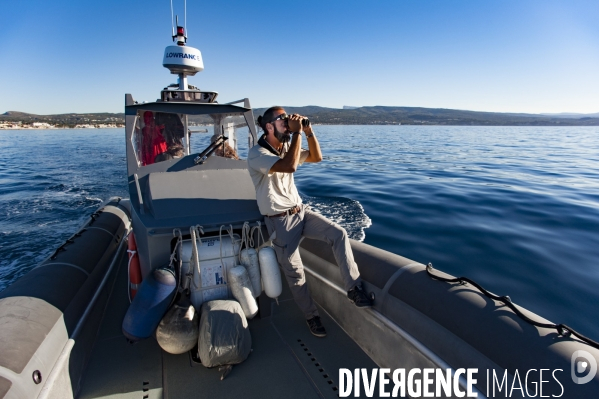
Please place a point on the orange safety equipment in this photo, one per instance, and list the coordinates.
(134, 268)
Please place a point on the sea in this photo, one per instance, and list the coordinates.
(514, 208)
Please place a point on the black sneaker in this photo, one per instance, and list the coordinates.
(359, 297)
(316, 327)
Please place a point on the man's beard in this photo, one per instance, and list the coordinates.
(282, 136)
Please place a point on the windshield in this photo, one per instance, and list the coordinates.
(234, 128)
(160, 136)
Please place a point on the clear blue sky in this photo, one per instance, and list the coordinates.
(504, 55)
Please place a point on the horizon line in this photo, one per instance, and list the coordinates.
(348, 109)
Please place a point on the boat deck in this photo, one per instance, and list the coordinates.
(286, 360)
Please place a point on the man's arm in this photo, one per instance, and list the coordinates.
(315, 154)
(288, 164)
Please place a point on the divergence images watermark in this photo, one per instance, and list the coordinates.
(431, 382)
(579, 367)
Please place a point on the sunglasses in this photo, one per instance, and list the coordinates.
(280, 117)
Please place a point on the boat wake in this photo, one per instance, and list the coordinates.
(34, 220)
(346, 212)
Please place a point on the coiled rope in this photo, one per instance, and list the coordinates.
(561, 329)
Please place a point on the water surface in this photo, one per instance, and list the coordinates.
(514, 208)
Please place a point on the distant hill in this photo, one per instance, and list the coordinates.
(64, 120)
(378, 115)
(573, 115)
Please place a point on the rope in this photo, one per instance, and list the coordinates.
(258, 227)
(131, 255)
(562, 329)
(245, 239)
(195, 258)
(177, 233)
(251, 240)
(220, 239)
(266, 243)
(260, 236)
(174, 254)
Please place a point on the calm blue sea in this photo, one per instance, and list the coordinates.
(514, 208)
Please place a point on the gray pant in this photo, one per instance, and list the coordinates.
(306, 223)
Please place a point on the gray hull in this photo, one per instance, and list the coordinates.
(63, 320)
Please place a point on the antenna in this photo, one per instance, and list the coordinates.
(172, 25)
(185, 20)
(179, 58)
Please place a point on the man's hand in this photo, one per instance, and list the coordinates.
(288, 164)
(295, 123)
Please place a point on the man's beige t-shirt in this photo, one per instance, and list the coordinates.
(275, 192)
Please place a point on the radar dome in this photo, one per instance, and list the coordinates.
(183, 59)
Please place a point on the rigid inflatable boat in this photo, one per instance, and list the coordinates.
(427, 335)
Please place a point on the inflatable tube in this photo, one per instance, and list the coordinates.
(450, 324)
(241, 288)
(69, 278)
(150, 304)
(63, 297)
(271, 275)
(179, 328)
(249, 259)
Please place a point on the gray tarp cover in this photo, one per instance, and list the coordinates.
(224, 334)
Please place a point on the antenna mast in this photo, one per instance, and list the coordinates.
(172, 19)
(183, 61)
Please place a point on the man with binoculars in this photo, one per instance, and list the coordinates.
(271, 164)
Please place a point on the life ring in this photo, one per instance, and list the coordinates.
(134, 268)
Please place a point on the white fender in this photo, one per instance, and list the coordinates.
(249, 260)
(178, 330)
(241, 288)
(271, 275)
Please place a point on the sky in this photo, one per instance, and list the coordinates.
(524, 56)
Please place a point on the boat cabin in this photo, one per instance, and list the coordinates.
(186, 167)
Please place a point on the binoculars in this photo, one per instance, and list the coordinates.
(305, 122)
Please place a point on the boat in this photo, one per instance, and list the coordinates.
(428, 334)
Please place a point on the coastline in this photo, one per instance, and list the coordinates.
(14, 126)
(367, 115)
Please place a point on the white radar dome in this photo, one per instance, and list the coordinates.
(183, 59)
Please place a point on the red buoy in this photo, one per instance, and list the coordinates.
(134, 268)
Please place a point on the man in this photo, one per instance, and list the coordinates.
(272, 163)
